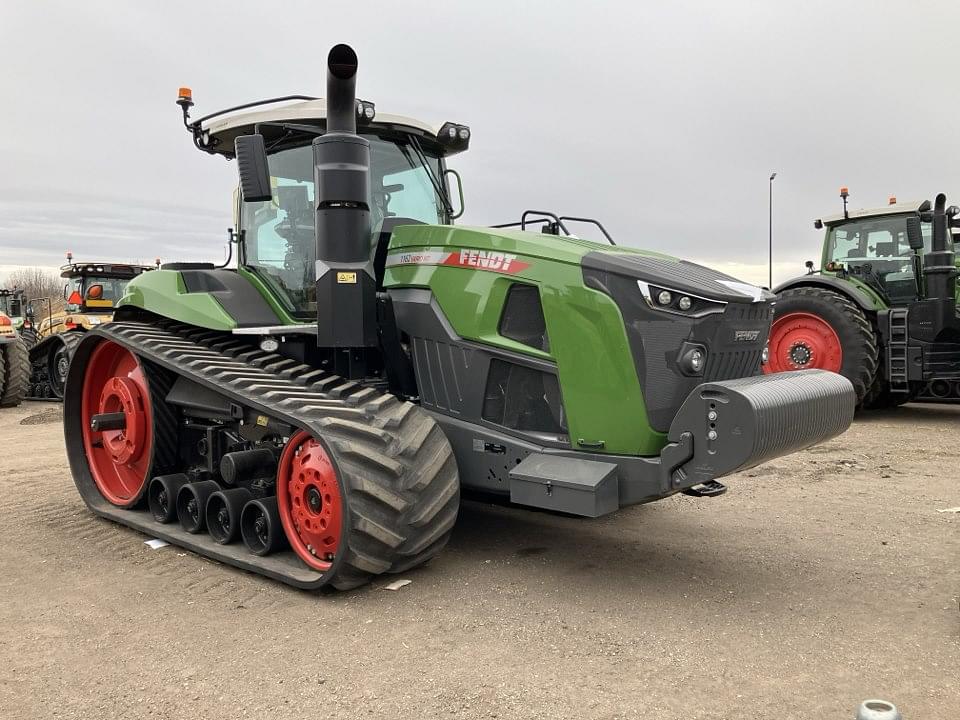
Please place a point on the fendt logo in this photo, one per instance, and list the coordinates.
(474, 259)
(745, 335)
(485, 260)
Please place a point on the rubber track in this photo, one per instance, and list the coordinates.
(867, 370)
(40, 356)
(398, 469)
(14, 374)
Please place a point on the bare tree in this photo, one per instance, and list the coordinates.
(38, 283)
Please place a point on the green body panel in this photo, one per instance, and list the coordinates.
(163, 292)
(598, 379)
(876, 301)
(285, 317)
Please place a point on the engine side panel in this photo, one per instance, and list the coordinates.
(212, 299)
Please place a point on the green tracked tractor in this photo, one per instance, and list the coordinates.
(882, 309)
(314, 414)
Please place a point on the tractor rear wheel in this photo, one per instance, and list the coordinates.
(818, 328)
(14, 374)
(123, 459)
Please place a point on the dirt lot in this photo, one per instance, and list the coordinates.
(816, 582)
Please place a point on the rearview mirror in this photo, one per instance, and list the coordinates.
(914, 235)
(449, 172)
(29, 313)
(253, 168)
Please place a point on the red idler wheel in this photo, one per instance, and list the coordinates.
(119, 459)
(309, 501)
(800, 341)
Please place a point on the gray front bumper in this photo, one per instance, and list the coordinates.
(722, 427)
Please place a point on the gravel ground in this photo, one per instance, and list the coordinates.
(818, 581)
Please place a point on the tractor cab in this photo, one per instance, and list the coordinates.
(11, 305)
(874, 247)
(409, 184)
(96, 287)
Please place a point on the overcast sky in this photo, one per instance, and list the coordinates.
(662, 119)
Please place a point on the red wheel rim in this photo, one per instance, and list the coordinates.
(800, 341)
(119, 460)
(309, 500)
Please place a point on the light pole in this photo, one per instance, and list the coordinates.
(770, 249)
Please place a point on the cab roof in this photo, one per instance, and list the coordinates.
(117, 270)
(911, 206)
(225, 126)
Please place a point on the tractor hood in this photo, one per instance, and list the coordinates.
(677, 276)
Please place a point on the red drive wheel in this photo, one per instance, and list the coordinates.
(119, 458)
(310, 501)
(800, 341)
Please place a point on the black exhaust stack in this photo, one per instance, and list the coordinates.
(938, 265)
(346, 285)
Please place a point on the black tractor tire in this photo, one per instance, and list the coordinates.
(29, 337)
(879, 396)
(858, 340)
(14, 373)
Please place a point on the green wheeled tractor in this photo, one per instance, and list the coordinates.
(12, 305)
(90, 294)
(14, 364)
(882, 309)
(314, 414)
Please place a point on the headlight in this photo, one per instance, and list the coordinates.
(93, 320)
(696, 360)
(692, 359)
(669, 300)
(269, 344)
(765, 355)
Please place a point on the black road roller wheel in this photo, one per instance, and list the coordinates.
(14, 373)
(818, 328)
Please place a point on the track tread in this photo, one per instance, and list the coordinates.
(401, 485)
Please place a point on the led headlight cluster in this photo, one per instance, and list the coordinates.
(366, 111)
(678, 302)
(454, 136)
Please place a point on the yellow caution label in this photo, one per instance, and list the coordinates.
(349, 278)
(262, 420)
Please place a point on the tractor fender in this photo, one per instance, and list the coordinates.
(862, 299)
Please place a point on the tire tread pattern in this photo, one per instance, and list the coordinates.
(856, 332)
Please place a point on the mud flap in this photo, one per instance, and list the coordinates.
(728, 426)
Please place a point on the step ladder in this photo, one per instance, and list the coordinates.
(897, 351)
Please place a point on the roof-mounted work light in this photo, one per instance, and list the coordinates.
(455, 137)
(366, 111)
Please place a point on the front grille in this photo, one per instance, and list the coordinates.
(729, 365)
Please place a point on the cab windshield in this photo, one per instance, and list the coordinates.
(278, 235)
(11, 305)
(94, 291)
(877, 249)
